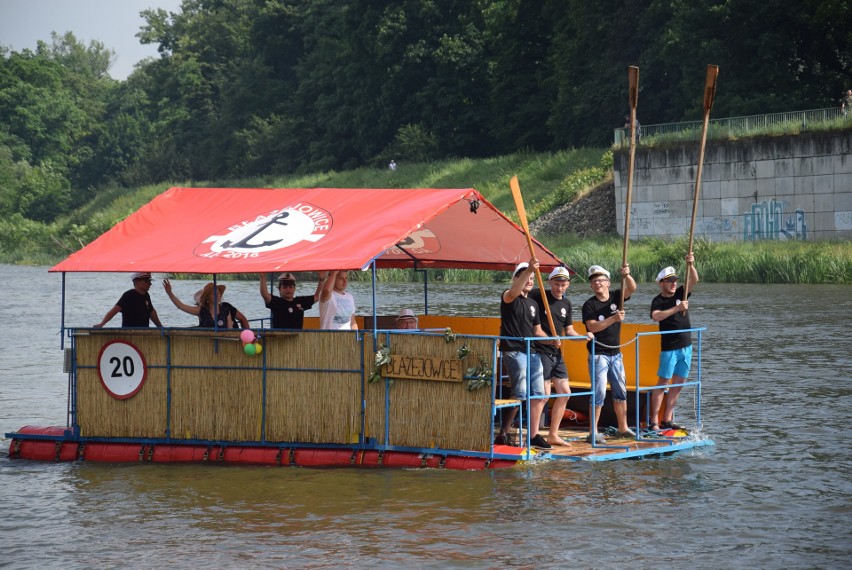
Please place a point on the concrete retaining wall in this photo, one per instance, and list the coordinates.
(792, 187)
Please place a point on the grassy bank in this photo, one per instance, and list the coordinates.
(543, 176)
(547, 180)
(718, 262)
(740, 262)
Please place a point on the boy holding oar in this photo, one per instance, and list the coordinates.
(552, 362)
(602, 317)
(669, 309)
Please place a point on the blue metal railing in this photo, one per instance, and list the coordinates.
(639, 390)
(696, 382)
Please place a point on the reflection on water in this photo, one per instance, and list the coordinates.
(775, 491)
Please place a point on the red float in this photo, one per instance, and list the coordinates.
(113, 452)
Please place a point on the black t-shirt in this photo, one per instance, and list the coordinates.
(517, 319)
(596, 310)
(561, 311)
(673, 322)
(205, 320)
(135, 308)
(289, 314)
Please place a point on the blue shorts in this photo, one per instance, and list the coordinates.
(675, 362)
(608, 368)
(516, 366)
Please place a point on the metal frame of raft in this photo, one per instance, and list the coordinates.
(99, 425)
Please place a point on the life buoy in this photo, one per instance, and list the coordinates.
(574, 417)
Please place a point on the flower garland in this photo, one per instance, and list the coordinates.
(382, 358)
(479, 376)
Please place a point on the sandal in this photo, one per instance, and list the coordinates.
(671, 425)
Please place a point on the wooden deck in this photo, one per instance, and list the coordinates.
(579, 449)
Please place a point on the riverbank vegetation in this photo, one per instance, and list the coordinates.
(303, 94)
(247, 88)
(547, 180)
(728, 262)
(718, 262)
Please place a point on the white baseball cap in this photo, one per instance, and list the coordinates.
(598, 270)
(520, 267)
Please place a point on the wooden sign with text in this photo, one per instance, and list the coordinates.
(423, 368)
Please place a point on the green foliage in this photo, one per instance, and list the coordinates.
(726, 262)
(248, 88)
(412, 143)
(43, 193)
(293, 93)
(26, 241)
(573, 185)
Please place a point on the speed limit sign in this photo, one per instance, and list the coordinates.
(122, 369)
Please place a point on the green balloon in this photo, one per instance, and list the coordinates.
(249, 348)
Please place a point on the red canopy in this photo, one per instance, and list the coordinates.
(252, 230)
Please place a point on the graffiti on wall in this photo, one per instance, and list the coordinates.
(767, 220)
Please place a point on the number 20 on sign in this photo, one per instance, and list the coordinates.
(122, 369)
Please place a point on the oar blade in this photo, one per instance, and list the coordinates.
(710, 86)
(633, 83)
(522, 214)
(519, 203)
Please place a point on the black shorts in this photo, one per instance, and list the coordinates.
(553, 366)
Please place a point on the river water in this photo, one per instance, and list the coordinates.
(775, 491)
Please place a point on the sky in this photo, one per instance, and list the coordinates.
(115, 23)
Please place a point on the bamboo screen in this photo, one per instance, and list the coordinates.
(101, 415)
(313, 387)
(217, 389)
(313, 392)
(431, 414)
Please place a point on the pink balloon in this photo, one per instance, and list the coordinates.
(247, 336)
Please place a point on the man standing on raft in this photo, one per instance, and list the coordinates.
(602, 316)
(135, 305)
(552, 362)
(288, 310)
(669, 308)
(519, 319)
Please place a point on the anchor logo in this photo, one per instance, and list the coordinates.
(270, 231)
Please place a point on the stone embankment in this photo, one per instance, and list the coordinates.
(591, 214)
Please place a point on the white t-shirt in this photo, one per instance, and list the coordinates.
(336, 313)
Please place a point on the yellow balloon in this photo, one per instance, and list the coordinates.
(258, 348)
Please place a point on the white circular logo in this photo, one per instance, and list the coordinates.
(677, 301)
(613, 307)
(122, 369)
(268, 232)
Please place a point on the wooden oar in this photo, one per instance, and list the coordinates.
(633, 85)
(522, 214)
(709, 95)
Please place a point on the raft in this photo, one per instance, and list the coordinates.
(374, 397)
